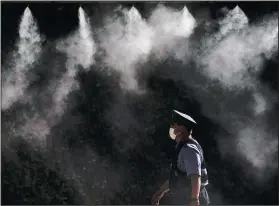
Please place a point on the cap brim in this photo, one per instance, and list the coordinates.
(185, 116)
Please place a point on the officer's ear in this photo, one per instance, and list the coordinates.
(190, 130)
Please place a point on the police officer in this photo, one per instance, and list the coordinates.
(188, 175)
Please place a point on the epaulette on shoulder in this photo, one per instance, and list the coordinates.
(192, 146)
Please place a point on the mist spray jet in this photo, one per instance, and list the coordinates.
(234, 20)
(86, 44)
(80, 49)
(15, 80)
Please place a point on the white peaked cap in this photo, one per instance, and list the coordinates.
(185, 116)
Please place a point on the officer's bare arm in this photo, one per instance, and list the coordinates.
(165, 187)
(192, 162)
(196, 185)
(159, 194)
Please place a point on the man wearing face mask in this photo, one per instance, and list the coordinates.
(188, 175)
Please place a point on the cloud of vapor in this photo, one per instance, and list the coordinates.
(77, 165)
(236, 62)
(124, 123)
(260, 104)
(95, 177)
(170, 27)
(234, 21)
(129, 41)
(228, 90)
(228, 61)
(260, 146)
(40, 116)
(126, 40)
(224, 76)
(80, 49)
(15, 79)
(238, 56)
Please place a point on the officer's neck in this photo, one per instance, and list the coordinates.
(184, 138)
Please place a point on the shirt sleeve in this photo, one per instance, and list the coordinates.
(191, 160)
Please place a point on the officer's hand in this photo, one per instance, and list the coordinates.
(156, 197)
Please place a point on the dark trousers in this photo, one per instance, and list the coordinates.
(182, 197)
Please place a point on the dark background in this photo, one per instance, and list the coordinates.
(58, 19)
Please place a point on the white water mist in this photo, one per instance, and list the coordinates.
(15, 80)
(232, 100)
(80, 49)
(227, 87)
(231, 63)
(126, 41)
(171, 28)
(236, 59)
(234, 21)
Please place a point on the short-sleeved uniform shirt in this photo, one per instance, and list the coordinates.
(190, 159)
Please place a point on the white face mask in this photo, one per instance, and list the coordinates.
(171, 133)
